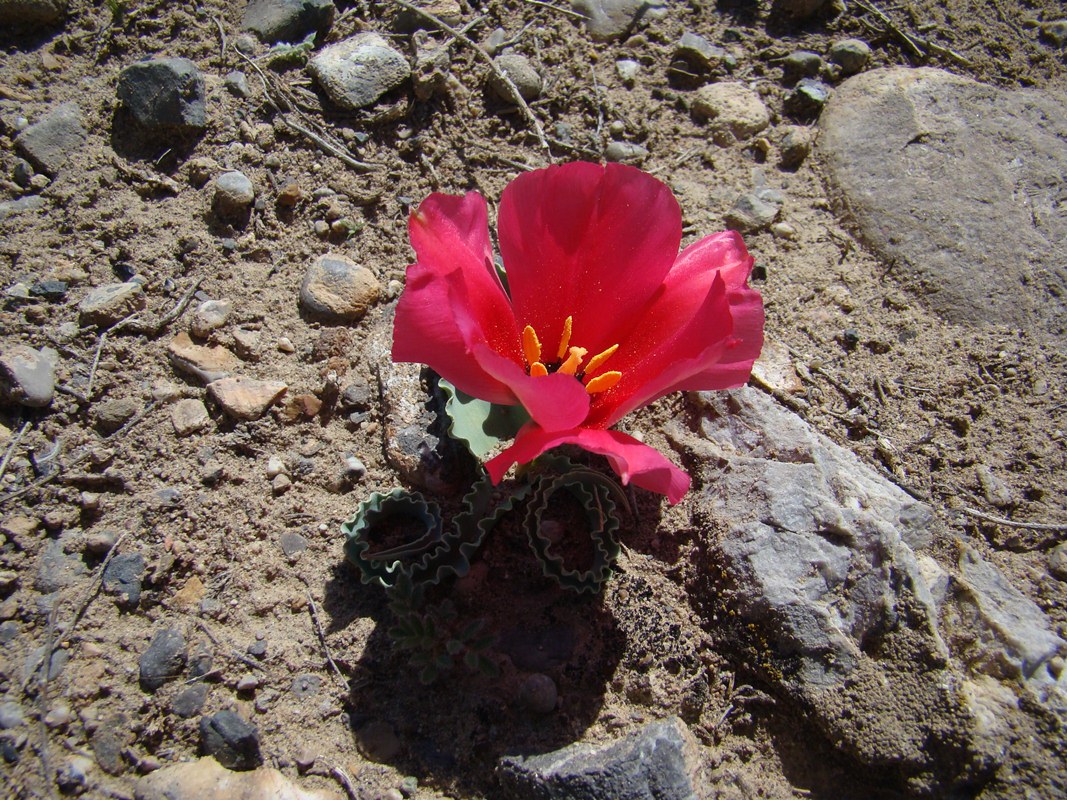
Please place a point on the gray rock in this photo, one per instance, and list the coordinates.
(949, 180)
(32, 202)
(9, 630)
(287, 20)
(56, 570)
(22, 173)
(994, 489)
(36, 659)
(807, 98)
(188, 702)
(233, 742)
(11, 715)
(164, 659)
(164, 94)
(698, 53)
(611, 19)
(819, 562)
(521, 72)
(292, 543)
(237, 83)
(658, 762)
(625, 152)
(801, 64)
(108, 741)
(28, 376)
(49, 142)
(234, 194)
(32, 12)
(1020, 642)
(851, 55)
(73, 776)
(754, 210)
(357, 71)
(106, 305)
(111, 415)
(336, 289)
(123, 576)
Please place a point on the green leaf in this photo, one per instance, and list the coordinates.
(481, 426)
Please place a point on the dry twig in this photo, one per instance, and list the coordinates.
(11, 447)
(322, 640)
(345, 781)
(1030, 526)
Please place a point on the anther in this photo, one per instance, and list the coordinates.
(601, 383)
(574, 360)
(531, 347)
(565, 339)
(538, 370)
(597, 360)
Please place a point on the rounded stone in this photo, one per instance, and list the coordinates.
(164, 93)
(28, 376)
(336, 289)
(521, 72)
(1057, 561)
(189, 416)
(357, 71)
(850, 54)
(801, 64)
(234, 194)
(733, 107)
(538, 694)
(625, 152)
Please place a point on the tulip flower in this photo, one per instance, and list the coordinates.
(601, 314)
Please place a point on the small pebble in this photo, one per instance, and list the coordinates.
(1057, 561)
(850, 54)
(248, 683)
(306, 759)
(281, 484)
(285, 345)
(521, 72)
(234, 194)
(538, 694)
(275, 466)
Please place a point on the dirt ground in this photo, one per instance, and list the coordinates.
(923, 402)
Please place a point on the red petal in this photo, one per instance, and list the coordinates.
(634, 462)
(555, 402)
(589, 241)
(452, 299)
(702, 331)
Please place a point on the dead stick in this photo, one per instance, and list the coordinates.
(1032, 526)
(488, 59)
(11, 447)
(322, 641)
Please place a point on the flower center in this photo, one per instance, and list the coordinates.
(569, 360)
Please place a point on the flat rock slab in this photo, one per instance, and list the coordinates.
(28, 376)
(820, 573)
(960, 186)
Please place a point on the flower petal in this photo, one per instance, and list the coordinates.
(555, 402)
(452, 299)
(589, 241)
(632, 460)
(702, 331)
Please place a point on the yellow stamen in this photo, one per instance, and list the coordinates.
(601, 383)
(531, 347)
(565, 339)
(600, 358)
(574, 360)
(537, 370)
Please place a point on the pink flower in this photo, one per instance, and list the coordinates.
(601, 316)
